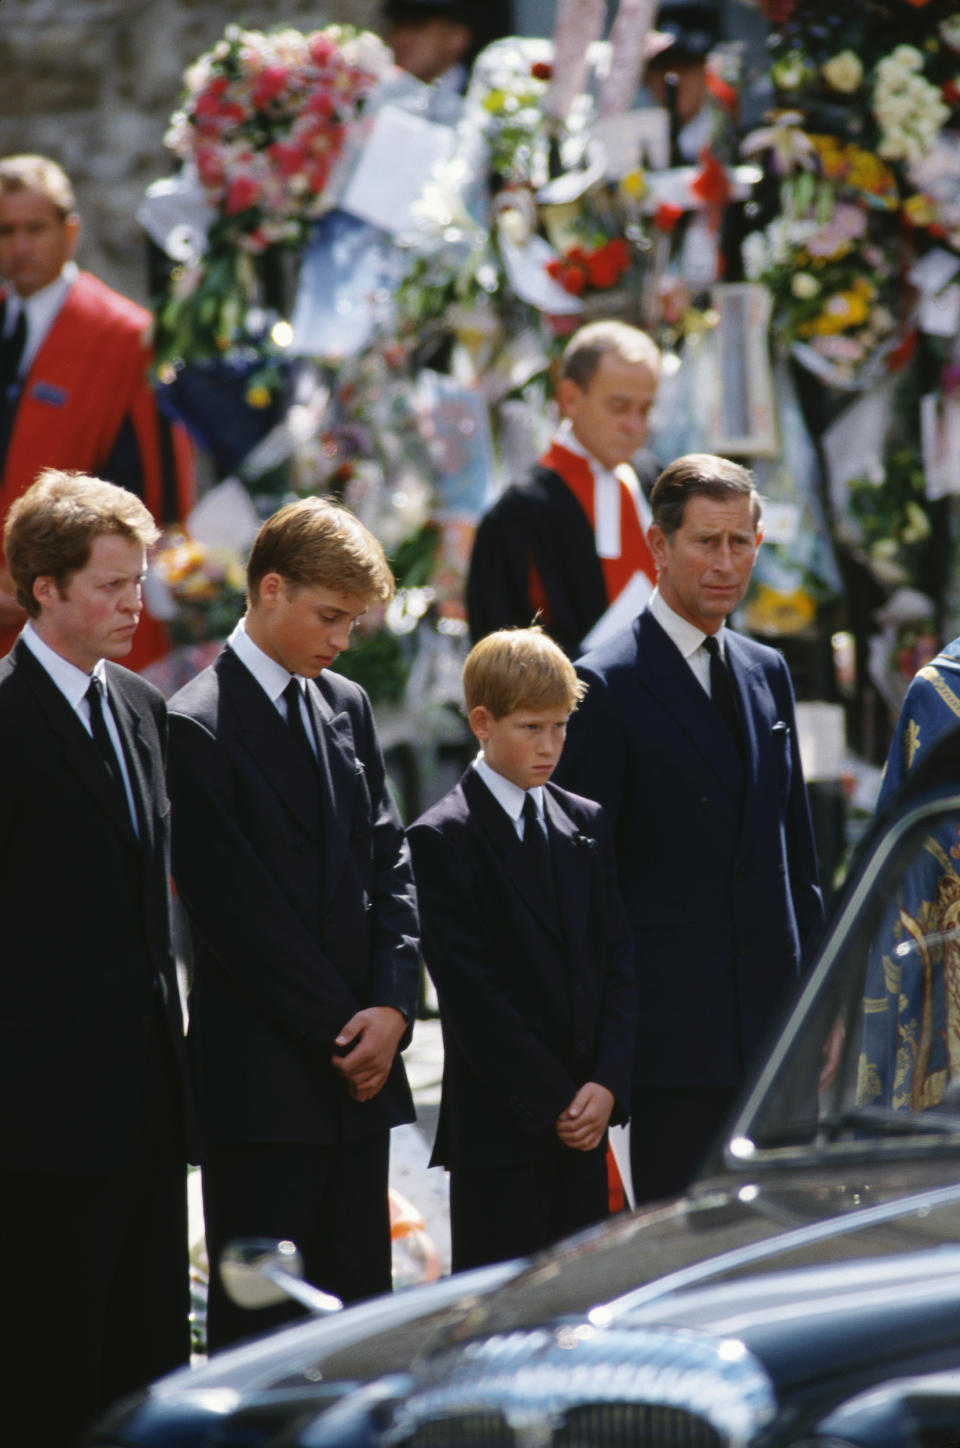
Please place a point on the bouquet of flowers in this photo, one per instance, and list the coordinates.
(265, 121)
(207, 587)
(860, 166)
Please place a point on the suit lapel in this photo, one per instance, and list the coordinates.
(338, 767)
(137, 755)
(271, 746)
(500, 830)
(81, 754)
(569, 862)
(664, 672)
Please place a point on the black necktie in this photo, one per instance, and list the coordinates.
(721, 691)
(536, 847)
(11, 352)
(101, 737)
(292, 693)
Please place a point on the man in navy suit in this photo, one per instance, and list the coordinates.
(94, 1117)
(289, 857)
(687, 736)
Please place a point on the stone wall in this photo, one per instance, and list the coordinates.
(92, 83)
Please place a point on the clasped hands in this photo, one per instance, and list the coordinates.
(373, 1036)
(585, 1120)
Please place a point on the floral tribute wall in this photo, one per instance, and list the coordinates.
(860, 252)
(368, 281)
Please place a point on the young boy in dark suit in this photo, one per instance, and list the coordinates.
(525, 936)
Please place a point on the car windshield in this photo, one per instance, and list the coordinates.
(873, 1049)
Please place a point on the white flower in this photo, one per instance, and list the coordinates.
(844, 72)
(804, 286)
(908, 56)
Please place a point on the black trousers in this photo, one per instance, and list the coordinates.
(95, 1278)
(500, 1212)
(332, 1201)
(671, 1130)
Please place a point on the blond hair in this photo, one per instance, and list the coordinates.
(520, 668)
(52, 528)
(318, 543)
(39, 174)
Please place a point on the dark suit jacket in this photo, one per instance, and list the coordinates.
(531, 1007)
(301, 903)
(86, 924)
(716, 855)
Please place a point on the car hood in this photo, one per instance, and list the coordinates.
(752, 1260)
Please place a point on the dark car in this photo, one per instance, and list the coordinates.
(806, 1291)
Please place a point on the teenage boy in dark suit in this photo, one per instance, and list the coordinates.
(94, 1118)
(525, 936)
(289, 856)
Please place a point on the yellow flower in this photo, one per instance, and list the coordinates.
(258, 395)
(634, 185)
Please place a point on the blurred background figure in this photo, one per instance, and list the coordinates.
(437, 40)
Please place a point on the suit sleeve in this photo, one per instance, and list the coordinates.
(594, 758)
(616, 1032)
(237, 906)
(498, 588)
(521, 1073)
(396, 934)
(801, 847)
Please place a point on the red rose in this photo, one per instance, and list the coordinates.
(951, 92)
(574, 279)
(602, 269)
(666, 216)
(711, 185)
(554, 267)
(242, 193)
(289, 159)
(541, 70)
(270, 83)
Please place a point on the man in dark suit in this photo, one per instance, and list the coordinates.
(289, 856)
(93, 1208)
(687, 736)
(568, 544)
(525, 936)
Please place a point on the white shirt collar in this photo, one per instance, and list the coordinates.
(72, 682)
(41, 311)
(505, 792)
(687, 637)
(272, 677)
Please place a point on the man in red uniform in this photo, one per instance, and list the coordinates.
(569, 542)
(75, 391)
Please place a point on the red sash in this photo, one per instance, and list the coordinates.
(635, 552)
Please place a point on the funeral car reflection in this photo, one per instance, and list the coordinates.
(806, 1291)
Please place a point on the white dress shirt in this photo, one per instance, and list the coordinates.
(688, 638)
(508, 794)
(73, 684)
(41, 311)
(272, 677)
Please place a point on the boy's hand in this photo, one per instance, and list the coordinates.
(583, 1123)
(375, 1034)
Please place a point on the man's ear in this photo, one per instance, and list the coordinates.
(658, 544)
(272, 589)
(73, 226)
(568, 395)
(45, 589)
(479, 721)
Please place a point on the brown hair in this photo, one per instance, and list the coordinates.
(704, 474)
(40, 174)
(520, 668)
(51, 529)
(316, 542)
(586, 347)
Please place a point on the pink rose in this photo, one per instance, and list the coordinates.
(242, 193)
(270, 84)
